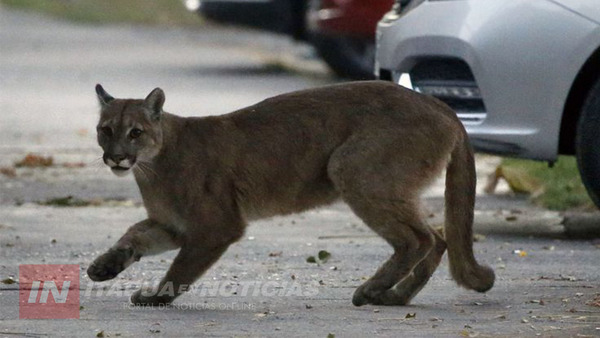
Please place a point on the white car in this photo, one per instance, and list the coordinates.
(522, 75)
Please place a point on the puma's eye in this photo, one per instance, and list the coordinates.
(135, 133)
(106, 131)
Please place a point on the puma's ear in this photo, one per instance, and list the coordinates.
(103, 97)
(154, 101)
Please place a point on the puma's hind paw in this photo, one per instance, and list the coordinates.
(110, 264)
(366, 295)
(138, 298)
(362, 296)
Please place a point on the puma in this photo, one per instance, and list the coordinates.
(374, 145)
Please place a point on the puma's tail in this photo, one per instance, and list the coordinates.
(460, 202)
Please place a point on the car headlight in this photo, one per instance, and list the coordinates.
(400, 8)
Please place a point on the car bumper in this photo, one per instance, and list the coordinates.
(505, 67)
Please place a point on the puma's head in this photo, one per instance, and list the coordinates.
(129, 131)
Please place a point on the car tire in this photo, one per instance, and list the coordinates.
(587, 144)
(348, 57)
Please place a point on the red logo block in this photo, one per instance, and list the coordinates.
(48, 291)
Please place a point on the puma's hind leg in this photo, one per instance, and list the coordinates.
(144, 238)
(412, 242)
(380, 178)
(403, 292)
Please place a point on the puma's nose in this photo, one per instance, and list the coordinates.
(114, 159)
(118, 158)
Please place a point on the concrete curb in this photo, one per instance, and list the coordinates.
(582, 225)
(539, 223)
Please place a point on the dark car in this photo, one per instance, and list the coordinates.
(342, 31)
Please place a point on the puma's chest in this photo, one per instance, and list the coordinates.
(161, 207)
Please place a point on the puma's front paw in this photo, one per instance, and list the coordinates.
(142, 298)
(110, 264)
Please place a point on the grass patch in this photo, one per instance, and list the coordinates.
(558, 188)
(68, 201)
(154, 12)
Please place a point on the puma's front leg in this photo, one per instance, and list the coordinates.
(144, 238)
(218, 227)
(190, 263)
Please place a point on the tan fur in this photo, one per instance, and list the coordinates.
(374, 144)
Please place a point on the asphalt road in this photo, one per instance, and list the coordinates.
(546, 284)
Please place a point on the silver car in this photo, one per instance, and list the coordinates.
(522, 75)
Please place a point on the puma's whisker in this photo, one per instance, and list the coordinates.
(146, 170)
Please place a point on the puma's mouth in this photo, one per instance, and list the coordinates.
(119, 171)
(121, 168)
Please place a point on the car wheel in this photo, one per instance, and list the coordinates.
(587, 144)
(348, 57)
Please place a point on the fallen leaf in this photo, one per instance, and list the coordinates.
(9, 280)
(311, 259)
(478, 238)
(68, 201)
(35, 161)
(8, 172)
(73, 165)
(100, 334)
(154, 328)
(410, 315)
(324, 256)
(594, 302)
(568, 278)
(520, 253)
